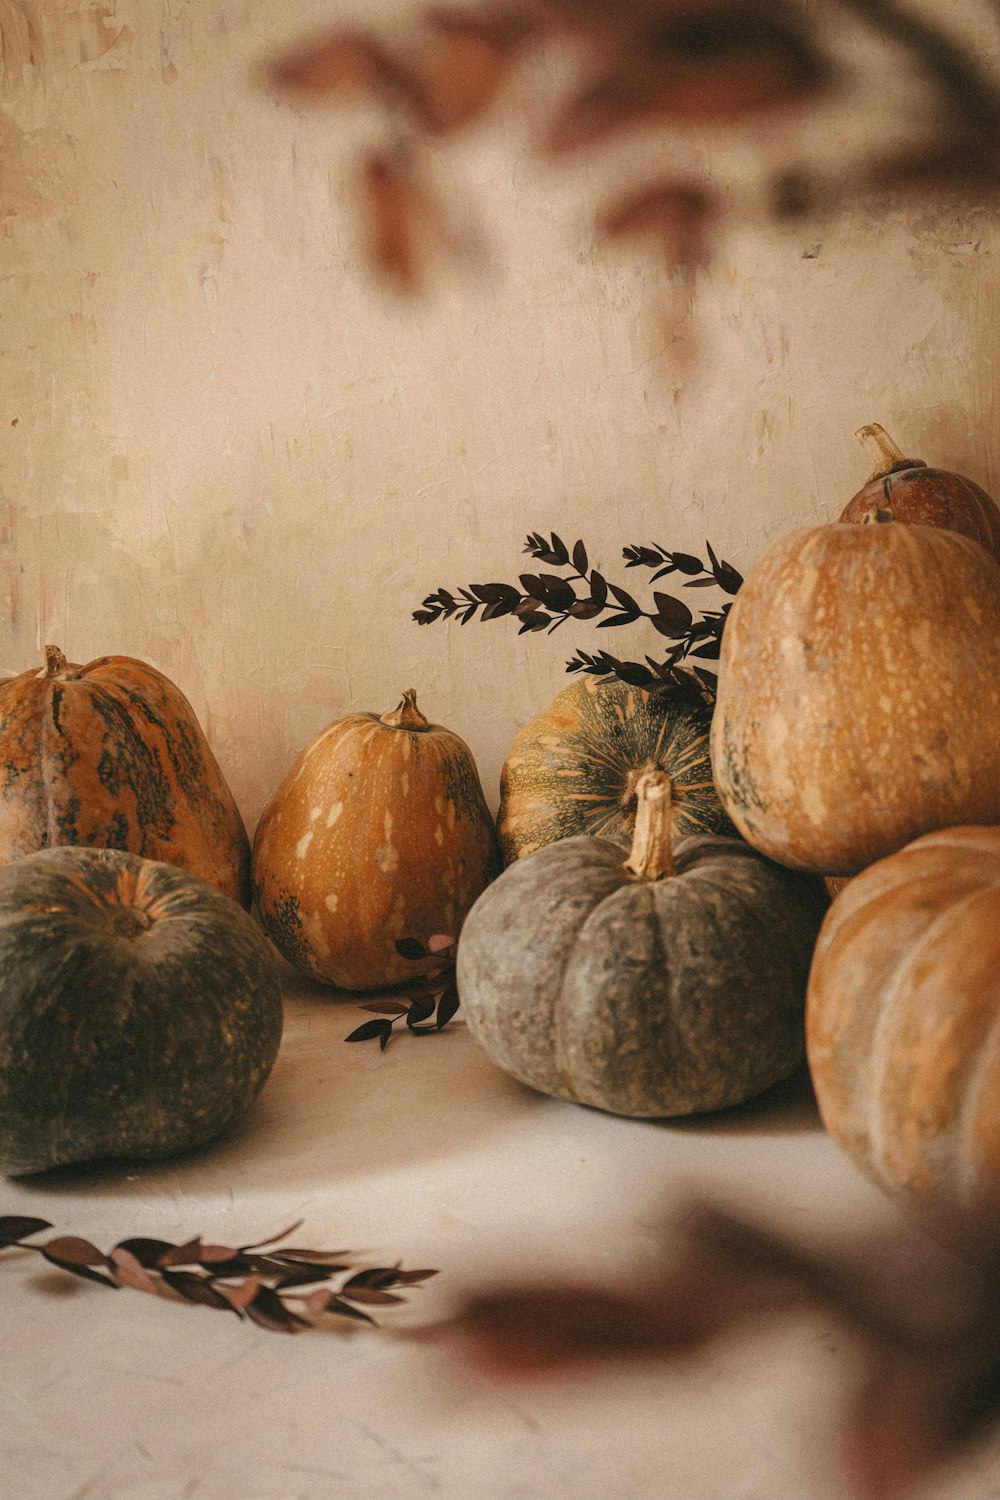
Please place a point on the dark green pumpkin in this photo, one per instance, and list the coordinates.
(140, 1012)
(574, 769)
(644, 982)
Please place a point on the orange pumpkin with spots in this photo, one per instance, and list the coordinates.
(379, 832)
(901, 1019)
(111, 755)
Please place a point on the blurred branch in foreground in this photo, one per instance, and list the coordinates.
(718, 69)
(927, 1331)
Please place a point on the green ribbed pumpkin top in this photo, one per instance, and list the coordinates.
(573, 769)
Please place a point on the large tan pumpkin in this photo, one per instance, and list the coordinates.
(903, 1019)
(111, 755)
(859, 694)
(379, 832)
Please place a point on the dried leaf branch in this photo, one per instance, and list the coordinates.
(427, 1005)
(544, 601)
(281, 1289)
(930, 1384)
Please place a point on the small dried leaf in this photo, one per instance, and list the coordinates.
(69, 1250)
(240, 1295)
(127, 1269)
(370, 1029)
(370, 1296)
(410, 948)
(447, 1007)
(580, 559)
(148, 1253)
(345, 1310)
(268, 1311)
(195, 1288)
(17, 1227)
(274, 1238)
(420, 1010)
(411, 1278)
(440, 942)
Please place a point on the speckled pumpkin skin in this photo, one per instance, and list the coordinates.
(140, 1013)
(902, 1019)
(922, 496)
(573, 769)
(111, 755)
(859, 694)
(377, 833)
(640, 997)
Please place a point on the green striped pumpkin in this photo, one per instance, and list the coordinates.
(574, 769)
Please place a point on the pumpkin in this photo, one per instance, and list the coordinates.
(921, 495)
(111, 754)
(645, 980)
(859, 693)
(140, 1012)
(902, 1018)
(574, 768)
(379, 832)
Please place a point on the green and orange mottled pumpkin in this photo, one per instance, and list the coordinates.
(111, 755)
(379, 832)
(574, 769)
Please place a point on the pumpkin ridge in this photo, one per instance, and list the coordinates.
(901, 1164)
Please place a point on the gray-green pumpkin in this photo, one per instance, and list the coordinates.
(574, 768)
(140, 1012)
(647, 980)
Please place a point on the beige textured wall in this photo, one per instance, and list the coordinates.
(224, 450)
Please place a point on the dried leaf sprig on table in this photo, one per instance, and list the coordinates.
(736, 66)
(929, 1342)
(279, 1288)
(544, 601)
(427, 1005)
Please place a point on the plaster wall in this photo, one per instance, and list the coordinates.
(225, 450)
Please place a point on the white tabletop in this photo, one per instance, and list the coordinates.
(427, 1154)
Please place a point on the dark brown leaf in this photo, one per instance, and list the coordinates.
(73, 1254)
(16, 1227)
(345, 1310)
(195, 1288)
(447, 1007)
(386, 1007)
(580, 559)
(368, 1030)
(370, 1296)
(268, 1311)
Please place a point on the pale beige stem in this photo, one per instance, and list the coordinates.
(407, 715)
(886, 455)
(650, 857)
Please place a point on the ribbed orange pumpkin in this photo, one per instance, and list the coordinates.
(111, 755)
(379, 832)
(922, 496)
(903, 1018)
(859, 694)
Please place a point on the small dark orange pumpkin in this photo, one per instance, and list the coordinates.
(111, 755)
(922, 496)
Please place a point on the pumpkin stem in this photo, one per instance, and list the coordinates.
(887, 457)
(878, 515)
(650, 857)
(55, 661)
(407, 715)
